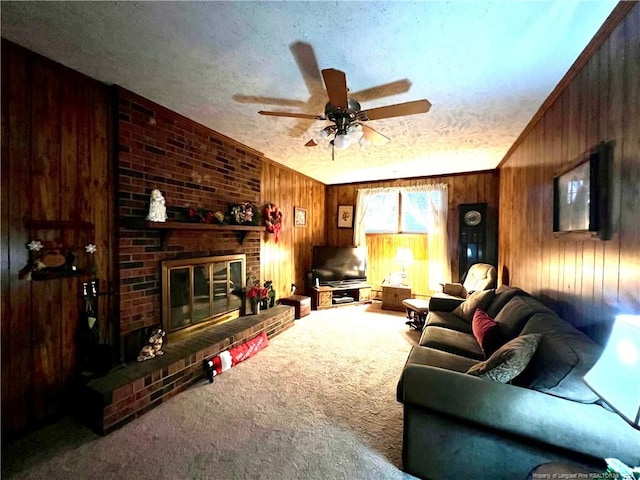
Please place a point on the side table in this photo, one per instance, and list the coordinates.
(393, 295)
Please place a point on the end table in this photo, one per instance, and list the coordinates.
(393, 295)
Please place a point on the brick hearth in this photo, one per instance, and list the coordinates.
(109, 402)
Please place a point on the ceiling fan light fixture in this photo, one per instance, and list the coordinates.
(354, 132)
(342, 142)
(321, 136)
(347, 116)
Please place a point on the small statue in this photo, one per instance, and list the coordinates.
(157, 208)
(153, 348)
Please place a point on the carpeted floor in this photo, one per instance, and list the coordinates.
(318, 403)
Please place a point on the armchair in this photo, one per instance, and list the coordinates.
(480, 276)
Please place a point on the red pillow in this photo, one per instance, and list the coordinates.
(486, 331)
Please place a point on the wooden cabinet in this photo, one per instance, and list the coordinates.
(393, 295)
(336, 296)
(365, 294)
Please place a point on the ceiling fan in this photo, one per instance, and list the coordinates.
(347, 117)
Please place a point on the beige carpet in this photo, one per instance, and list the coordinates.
(318, 403)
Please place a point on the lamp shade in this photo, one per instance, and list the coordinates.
(404, 255)
(616, 375)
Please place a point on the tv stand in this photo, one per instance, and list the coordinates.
(339, 294)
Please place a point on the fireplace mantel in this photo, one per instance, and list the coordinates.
(168, 228)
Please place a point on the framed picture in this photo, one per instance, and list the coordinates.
(580, 197)
(299, 217)
(345, 216)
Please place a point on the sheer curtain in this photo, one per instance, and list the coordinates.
(428, 205)
(376, 210)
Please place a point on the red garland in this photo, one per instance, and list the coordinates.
(273, 219)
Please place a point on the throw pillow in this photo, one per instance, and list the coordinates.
(487, 332)
(509, 360)
(479, 299)
(516, 313)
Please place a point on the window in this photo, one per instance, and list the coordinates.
(420, 209)
(381, 215)
(399, 210)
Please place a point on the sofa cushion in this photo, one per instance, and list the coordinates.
(437, 358)
(451, 341)
(480, 299)
(504, 293)
(564, 356)
(487, 332)
(515, 314)
(508, 361)
(448, 320)
(433, 358)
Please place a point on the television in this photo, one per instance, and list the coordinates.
(580, 197)
(339, 265)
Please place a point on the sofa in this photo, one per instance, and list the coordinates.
(468, 415)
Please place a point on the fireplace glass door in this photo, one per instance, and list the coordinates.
(201, 291)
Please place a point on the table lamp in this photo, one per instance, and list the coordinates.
(404, 257)
(615, 377)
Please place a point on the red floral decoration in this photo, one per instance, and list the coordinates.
(273, 219)
(257, 293)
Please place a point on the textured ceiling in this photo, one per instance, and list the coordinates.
(485, 66)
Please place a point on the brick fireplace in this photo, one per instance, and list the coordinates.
(193, 167)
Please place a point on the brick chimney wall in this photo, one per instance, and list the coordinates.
(192, 166)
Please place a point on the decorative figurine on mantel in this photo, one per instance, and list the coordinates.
(157, 208)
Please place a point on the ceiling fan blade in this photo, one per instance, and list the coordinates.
(374, 138)
(306, 59)
(310, 143)
(292, 115)
(336, 83)
(386, 90)
(281, 102)
(397, 110)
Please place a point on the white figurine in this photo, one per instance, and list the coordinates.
(157, 209)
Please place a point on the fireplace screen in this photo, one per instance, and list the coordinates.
(201, 291)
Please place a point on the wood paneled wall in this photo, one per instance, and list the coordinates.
(477, 187)
(586, 281)
(55, 166)
(288, 260)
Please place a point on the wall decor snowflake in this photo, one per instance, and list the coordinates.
(91, 248)
(35, 245)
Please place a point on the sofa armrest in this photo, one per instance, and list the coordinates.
(520, 411)
(441, 302)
